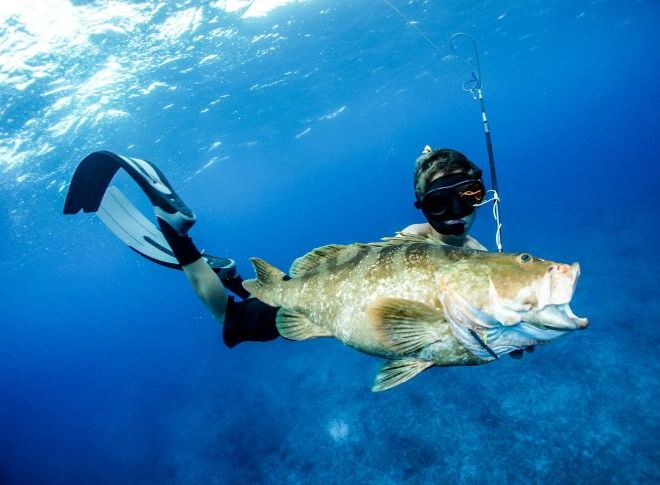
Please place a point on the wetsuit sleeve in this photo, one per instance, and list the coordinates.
(249, 320)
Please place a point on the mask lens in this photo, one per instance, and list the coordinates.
(471, 193)
(436, 204)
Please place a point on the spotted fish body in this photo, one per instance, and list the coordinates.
(417, 302)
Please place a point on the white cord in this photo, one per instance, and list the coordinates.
(496, 215)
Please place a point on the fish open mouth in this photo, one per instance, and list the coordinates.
(561, 317)
(580, 322)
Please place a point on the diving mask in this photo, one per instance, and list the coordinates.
(450, 199)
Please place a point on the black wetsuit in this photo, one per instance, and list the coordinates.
(248, 320)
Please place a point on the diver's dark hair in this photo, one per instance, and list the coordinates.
(445, 161)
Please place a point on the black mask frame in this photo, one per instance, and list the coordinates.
(444, 205)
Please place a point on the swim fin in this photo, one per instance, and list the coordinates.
(89, 192)
(142, 236)
(94, 173)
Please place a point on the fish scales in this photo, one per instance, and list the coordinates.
(354, 285)
(338, 293)
(329, 279)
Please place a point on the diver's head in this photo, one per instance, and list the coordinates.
(447, 187)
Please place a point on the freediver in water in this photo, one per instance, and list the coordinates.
(448, 188)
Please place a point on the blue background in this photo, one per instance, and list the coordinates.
(112, 371)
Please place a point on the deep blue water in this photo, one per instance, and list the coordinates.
(311, 116)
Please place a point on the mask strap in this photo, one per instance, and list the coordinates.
(495, 199)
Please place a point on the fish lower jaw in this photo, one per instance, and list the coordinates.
(561, 318)
(580, 322)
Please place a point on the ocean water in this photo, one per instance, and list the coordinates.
(287, 125)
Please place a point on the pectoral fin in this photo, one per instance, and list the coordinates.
(296, 326)
(405, 326)
(397, 372)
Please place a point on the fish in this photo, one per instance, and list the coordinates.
(419, 303)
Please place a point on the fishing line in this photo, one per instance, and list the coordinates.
(495, 199)
(414, 26)
(472, 84)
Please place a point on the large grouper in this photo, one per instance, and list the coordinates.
(419, 303)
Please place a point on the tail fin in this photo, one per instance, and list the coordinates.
(266, 286)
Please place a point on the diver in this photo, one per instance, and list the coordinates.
(448, 188)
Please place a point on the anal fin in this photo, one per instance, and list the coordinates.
(397, 372)
(296, 326)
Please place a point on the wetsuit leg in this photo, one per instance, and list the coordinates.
(249, 320)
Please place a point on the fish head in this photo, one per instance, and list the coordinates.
(512, 300)
(524, 288)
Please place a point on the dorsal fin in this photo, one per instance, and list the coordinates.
(266, 286)
(407, 238)
(316, 257)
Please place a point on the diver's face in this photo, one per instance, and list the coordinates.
(457, 226)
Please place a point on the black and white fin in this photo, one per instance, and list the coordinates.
(94, 173)
(130, 226)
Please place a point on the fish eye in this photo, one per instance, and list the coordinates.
(524, 258)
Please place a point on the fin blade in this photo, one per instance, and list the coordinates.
(397, 372)
(405, 326)
(130, 226)
(265, 286)
(296, 326)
